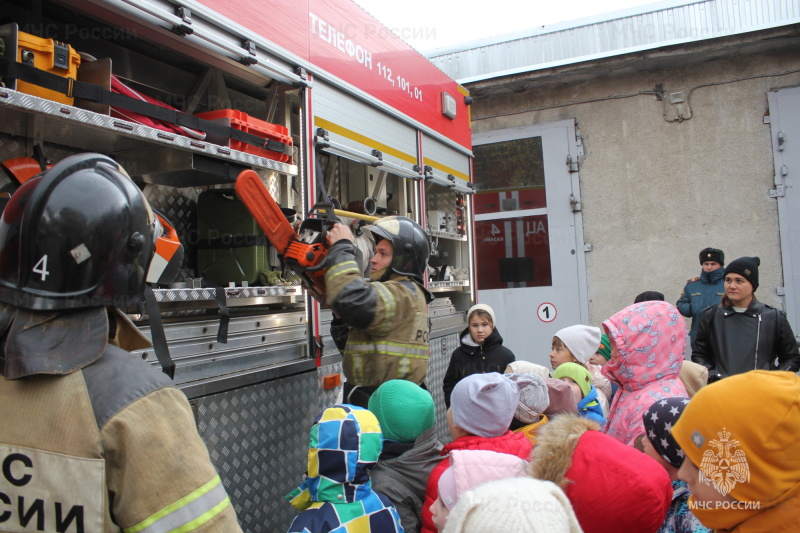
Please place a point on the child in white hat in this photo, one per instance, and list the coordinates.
(577, 344)
(514, 504)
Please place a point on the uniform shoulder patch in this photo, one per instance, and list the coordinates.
(118, 379)
(693, 280)
(411, 286)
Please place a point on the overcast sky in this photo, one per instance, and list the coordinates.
(430, 24)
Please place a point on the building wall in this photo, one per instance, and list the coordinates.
(656, 192)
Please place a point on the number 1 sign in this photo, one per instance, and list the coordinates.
(546, 312)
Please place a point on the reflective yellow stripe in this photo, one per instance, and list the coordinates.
(341, 268)
(388, 348)
(404, 368)
(444, 168)
(205, 517)
(358, 355)
(510, 189)
(358, 368)
(195, 508)
(389, 305)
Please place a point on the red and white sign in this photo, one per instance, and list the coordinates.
(344, 40)
(512, 200)
(514, 252)
(546, 312)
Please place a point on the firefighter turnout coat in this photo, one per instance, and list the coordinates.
(387, 320)
(93, 439)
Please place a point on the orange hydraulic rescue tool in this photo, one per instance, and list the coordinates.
(303, 252)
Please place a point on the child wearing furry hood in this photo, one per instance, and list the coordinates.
(612, 487)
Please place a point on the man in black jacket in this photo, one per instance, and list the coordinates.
(741, 333)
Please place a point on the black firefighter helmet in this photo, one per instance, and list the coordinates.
(410, 245)
(79, 235)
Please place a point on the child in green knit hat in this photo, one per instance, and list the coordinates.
(602, 357)
(581, 380)
(603, 354)
(405, 412)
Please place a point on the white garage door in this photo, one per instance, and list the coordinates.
(784, 109)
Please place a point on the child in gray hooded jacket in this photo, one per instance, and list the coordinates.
(405, 412)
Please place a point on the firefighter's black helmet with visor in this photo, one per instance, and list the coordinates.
(410, 245)
(79, 235)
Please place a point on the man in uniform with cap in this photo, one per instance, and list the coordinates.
(705, 290)
(741, 333)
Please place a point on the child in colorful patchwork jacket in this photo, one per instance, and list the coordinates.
(336, 495)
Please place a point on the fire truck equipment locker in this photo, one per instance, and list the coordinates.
(332, 90)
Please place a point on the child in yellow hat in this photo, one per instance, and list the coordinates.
(743, 456)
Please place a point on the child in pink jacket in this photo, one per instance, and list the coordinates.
(648, 340)
(469, 469)
(479, 416)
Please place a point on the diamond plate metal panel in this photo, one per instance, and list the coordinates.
(448, 284)
(331, 396)
(258, 440)
(273, 184)
(11, 147)
(179, 205)
(210, 293)
(441, 350)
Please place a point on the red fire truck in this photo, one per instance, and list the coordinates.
(316, 97)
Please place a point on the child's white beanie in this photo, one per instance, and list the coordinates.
(582, 341)
(533, 398)
(520, 367)
(513, 504)
(483, 307)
